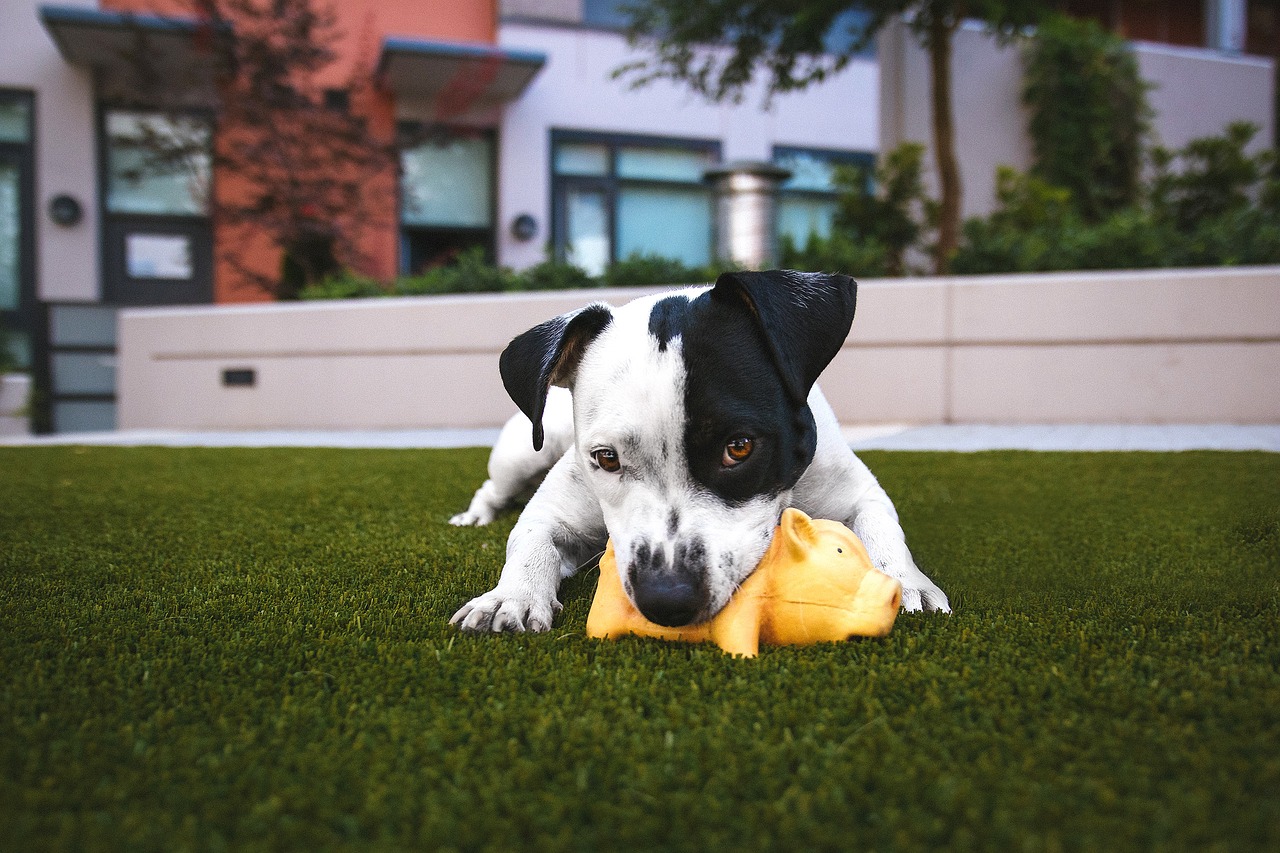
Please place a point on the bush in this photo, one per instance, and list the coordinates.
(836, 253)
(345, 285)
(471, 273)
(1089, 114)
(638, 270)
(552, 274)
(1210, 204)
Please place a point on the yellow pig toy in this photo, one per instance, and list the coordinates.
(814, 584)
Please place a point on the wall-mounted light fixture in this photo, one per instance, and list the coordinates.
(524, 227)
(65, 210)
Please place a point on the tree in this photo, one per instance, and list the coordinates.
(305, 159)
(717, 47)
(1088, 114)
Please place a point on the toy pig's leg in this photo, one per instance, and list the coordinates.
(736, 628)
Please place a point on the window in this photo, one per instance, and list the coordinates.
(446, 198)
(807, 201)
(157, 163)
(17, 233)
(614, 197)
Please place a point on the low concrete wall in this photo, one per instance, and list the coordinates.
(1192, 346)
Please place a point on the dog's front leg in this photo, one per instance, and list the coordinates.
(559, 530)
(875, 522)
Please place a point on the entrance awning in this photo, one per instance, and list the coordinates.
(137, 56)
(459, 78)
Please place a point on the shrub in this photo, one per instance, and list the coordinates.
(1089, 114)
(638, 270)
(471, 273)
(836, 253)
(344, 285)
(552, 274)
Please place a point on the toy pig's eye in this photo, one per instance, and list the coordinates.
(607, 458)
(736, 450)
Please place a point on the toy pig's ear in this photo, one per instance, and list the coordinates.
(798, 533)
(546, 355)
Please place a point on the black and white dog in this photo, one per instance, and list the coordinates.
(693, 422)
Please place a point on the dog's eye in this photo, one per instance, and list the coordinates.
(736, 450)
(607, 458)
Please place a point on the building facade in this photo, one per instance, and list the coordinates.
(511, 134)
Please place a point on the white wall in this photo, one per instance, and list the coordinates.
(1159, 346)
(66, 258)
(575, 91)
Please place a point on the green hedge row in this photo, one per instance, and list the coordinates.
(473, 274)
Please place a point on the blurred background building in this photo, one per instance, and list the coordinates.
(510, 134)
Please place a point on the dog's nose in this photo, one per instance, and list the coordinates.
(669, 600)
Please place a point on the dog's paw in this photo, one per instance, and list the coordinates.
(925, 597)
(472, 518)
(499, 610)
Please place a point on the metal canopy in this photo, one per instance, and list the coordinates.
(137, 57)
(459, 78)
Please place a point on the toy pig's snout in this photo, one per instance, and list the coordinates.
(879, 599)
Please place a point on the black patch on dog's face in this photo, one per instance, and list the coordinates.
(733, 389)
(667, 318)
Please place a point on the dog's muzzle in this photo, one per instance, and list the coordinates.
(669, 595)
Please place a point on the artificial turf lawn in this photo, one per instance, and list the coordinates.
(248, 649)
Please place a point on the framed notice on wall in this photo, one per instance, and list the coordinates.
(166, 256)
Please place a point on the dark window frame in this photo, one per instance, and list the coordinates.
(610, 183)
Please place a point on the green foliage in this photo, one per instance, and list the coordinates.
(639, 270)
(1089, 114)
(836, 253)
(1210, 203)
(470, 273)
(876, 224)
(249, 650)
(552, 274)
(345, 285)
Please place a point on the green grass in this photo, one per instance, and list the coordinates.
(248, 649)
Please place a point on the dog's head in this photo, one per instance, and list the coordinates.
(691, 420)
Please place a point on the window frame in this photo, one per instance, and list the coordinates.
(611, 184)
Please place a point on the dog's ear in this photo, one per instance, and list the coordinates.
(805, 318)
(546, 355)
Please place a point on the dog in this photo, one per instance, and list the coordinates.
(680, 425)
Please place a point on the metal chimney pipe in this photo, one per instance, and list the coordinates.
(747, 211)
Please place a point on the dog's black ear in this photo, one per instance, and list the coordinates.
(805, 318)
(546, 355)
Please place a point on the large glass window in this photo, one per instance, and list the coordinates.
(807, 201)
(448, 183)
(446, 196)
(615, 197)
(158, 163)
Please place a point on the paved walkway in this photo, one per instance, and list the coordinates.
(968, 437)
